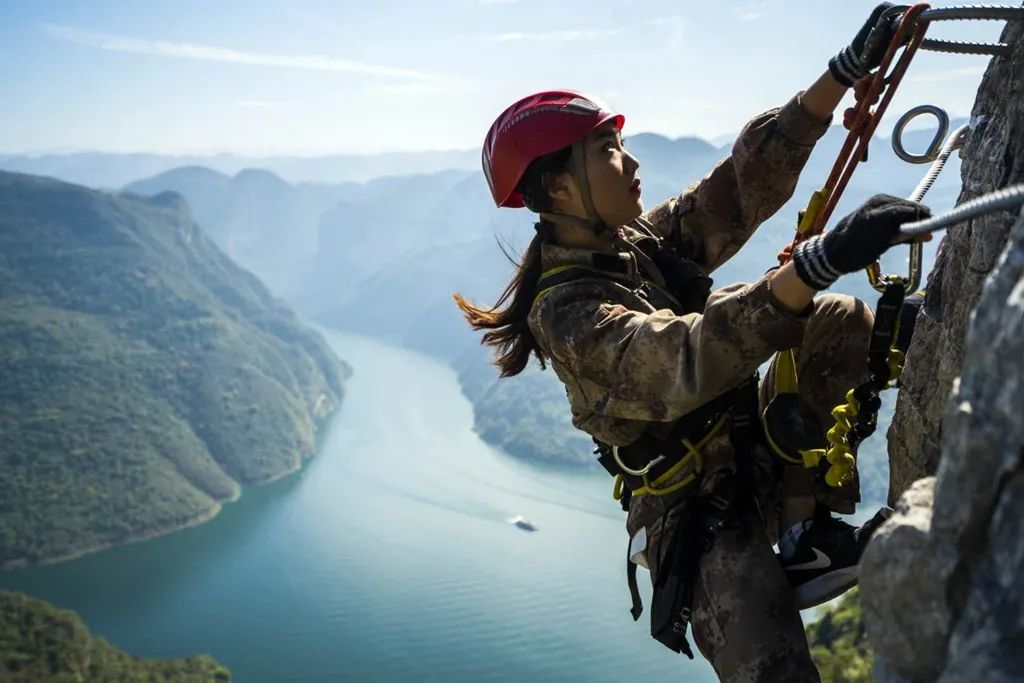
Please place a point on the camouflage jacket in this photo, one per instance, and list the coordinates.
(627, 365)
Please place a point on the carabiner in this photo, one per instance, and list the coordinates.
(934, 147)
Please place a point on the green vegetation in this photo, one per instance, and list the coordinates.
(145, 375)
(839, 645)
(527, 415)
(39, 642)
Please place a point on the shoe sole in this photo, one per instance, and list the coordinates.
(825, 587)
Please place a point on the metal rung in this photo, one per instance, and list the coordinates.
(974, 12)
(959, 47)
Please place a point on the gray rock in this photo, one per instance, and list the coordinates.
(905, 611)
(992, 158)
(988, 642)
(943, 582)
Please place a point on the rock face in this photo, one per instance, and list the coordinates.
(942, 583)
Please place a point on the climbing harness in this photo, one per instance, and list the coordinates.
(856, 419)
(698, 519)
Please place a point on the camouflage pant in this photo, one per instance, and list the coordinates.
(745, 621)
(831, 360)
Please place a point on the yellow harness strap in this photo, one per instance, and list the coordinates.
(692, 455)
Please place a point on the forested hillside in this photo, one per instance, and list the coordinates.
(145, 375)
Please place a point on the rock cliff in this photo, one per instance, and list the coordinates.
(941, 585)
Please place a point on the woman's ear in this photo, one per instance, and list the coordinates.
(562, 188)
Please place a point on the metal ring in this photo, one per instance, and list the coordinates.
(635, 473)
(934, 147)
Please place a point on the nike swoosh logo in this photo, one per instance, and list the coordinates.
(820, 561)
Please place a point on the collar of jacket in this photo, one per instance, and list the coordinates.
(616, 262)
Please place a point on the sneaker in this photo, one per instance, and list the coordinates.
(827, 558)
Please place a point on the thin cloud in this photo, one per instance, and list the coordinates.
(217, 53)
(553, 36)
(420, 88)
(498, 2)
(752, 10)
(272, 104)
(675, 26)
(673, 21)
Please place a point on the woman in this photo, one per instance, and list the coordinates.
(659, 371)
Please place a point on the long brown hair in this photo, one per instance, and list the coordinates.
(505, 322)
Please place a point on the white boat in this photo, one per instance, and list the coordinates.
(523, 523)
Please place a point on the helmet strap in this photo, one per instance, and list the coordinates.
(578, 168)
(579, 172)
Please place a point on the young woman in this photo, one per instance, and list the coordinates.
(658, 369)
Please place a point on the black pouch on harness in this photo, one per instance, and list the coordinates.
(700, 519)
(673, 589)
(790, 426)
(698, 524)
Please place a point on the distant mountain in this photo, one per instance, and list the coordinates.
(112, 171)
(145, 374)
(39, 642)
(264, 223)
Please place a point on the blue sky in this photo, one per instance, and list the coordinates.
(317, 77)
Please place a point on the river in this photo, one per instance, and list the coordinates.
(390, 557)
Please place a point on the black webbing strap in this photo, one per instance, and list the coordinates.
(702, 519)
(883, 335)
(634, 591)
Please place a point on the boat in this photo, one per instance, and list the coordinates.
(523, 523)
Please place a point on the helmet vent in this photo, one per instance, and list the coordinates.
(583, 103)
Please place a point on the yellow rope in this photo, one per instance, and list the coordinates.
(839, 454)
(693, 454)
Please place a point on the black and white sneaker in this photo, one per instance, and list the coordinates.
(826, 562)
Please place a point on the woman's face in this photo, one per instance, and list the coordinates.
(612, 173)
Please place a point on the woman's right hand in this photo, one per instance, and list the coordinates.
(857, 241)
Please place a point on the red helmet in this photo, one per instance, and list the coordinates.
(536, 125)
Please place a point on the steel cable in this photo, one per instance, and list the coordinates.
(1006, 198)
(955, 141)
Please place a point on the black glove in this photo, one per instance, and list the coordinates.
(856, 242)
(865, 53)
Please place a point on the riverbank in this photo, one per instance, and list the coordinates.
(201, 518)
(193, 521)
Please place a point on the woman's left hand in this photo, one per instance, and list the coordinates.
(865, 52)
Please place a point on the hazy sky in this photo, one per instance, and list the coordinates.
(319, 76)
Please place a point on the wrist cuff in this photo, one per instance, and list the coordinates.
(812, 265)
(846, 67)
